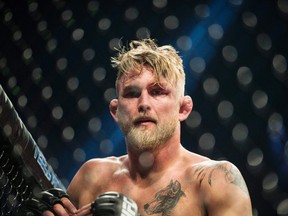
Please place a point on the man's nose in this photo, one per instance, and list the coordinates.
(144, 102)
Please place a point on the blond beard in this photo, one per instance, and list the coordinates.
(145, 138)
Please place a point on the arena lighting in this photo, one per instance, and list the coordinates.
(54, 65)
(213, 19)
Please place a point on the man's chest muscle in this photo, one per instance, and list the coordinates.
(170, 199)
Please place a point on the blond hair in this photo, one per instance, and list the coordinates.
(164, 61)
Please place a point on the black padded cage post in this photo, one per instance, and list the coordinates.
(23, 167)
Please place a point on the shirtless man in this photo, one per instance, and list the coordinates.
(158, 173)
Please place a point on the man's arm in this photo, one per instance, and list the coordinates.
(225, 190)
(83, 188)
(53, 201)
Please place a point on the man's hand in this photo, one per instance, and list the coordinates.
(52, 202)
(110, 203)
(64, 209)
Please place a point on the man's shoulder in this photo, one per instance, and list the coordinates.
(221, 184)
(217, 175)
(96, 163)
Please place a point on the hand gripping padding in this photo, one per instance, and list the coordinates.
(41, 202)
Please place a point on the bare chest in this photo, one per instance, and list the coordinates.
(170, 196)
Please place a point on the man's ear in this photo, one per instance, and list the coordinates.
(186, 107)
(113, 106)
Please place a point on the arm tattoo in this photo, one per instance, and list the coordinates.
(231, 174)
(165, 199)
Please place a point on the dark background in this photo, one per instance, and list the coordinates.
(55, 68)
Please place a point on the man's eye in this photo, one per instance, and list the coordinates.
(131, 94)
(157, 92)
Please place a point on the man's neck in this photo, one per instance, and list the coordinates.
(144, 164)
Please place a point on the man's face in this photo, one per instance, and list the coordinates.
(147, 111)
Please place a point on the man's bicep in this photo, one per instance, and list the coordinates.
(75, 188)
(228, 193)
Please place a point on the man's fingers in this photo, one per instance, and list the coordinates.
(85, 211)
(68, 205)
(67, 209)
(59, 210)
(48, 213)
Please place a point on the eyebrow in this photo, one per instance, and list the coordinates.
(130, 88)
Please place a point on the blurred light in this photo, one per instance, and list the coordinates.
(3, 63)
(184, 43)
(143, 32)
(42, 26)
(215, 31)
(264, 42)
(78, 34)
(32, 7)
(47, 92)
(27, 54)
(249, 19)
(8, 16)
(42, 141)
(283, 6)
(255, 157)
(194, 120)
(115, 43)
(104, 24)
(32, 121)
(236, 2)
(51, 45)
(202, 10)
(59, 4)
(211, 86)
(197, 65)
(282, 208)
(160, 3)
(99, 74)
(275, 123)
(12, 82)
(79, 155)
(225, 110)
(244, 76)
(131, 13)
(57, 112)
(68, 133)
(171, 22)
(88, 54)
(61, 63)
(106, 147)
(67, 15)
(270, 183)
(94, 125)
(93, 7)
(73, 83)
(230, 54)
(146, 159)
(110, 94)
(279, 65)
(83, 104)
(17, 35)
(240, 133)
(206, 142)
(22, 101)
(36, 74)
(259, 99)
(7, 129)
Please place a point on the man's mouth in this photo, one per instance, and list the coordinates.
(144, 121)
